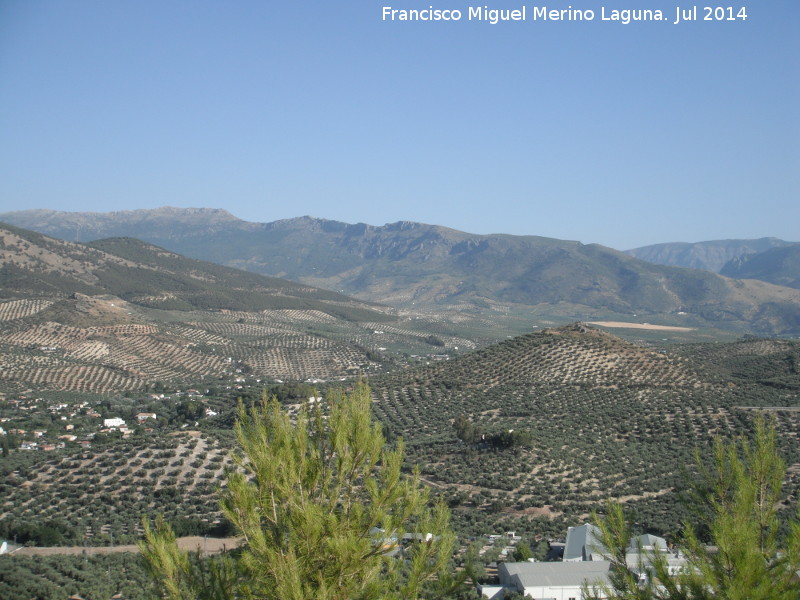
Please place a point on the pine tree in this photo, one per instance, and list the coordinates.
(737, 501)
(735, 506)
(322, 506)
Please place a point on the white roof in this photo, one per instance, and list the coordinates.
(648, 542)
(583, 543)
(558, 574)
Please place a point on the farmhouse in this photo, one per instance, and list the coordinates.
(644, 548)
(584, 563)
(113, 422)
(583, 544)
(550, 580)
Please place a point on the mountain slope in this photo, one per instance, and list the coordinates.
(124, 314)
(413, 264)
(36, 265)
(780, 266)
(711, 255)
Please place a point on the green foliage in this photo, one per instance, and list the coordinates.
(522, 552)
(738, 500)
(615, 536)
(465, 430)
(94, 577)
(323, 506)
(294, 391)
(735, 506)
(517, 596)
(189, 410)
(53, 532)
(468, 433)
(177, 575)
(434, 341)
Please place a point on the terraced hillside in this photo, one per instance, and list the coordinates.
(98, 496)
(34, 266)
(102, 344)
(45, 354)
(749, 363)
(122, 315)
(528, 435)
(553, 423)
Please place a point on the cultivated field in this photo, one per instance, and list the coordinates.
(106, 491)
(649, 326)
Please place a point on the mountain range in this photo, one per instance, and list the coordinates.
(712, 255)
(35, 265)
(780, 265)
(407, 264)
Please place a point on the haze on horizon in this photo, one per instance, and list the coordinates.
(622, 135)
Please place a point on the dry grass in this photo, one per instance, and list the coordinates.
(640, 326)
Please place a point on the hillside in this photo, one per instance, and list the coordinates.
(710, 255)
(595, 417)
(415, 265)
(780, 266)
(124, 315)
(143, 274)
(530, 435)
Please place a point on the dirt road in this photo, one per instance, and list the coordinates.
(204, 545)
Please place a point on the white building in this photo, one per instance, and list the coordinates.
(115, 422)
(583, 543)
(549, 580)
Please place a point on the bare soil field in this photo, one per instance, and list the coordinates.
(191, 543)
(640, 326)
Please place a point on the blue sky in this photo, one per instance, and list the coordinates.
(624, 135)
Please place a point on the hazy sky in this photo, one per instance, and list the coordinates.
(624, 135)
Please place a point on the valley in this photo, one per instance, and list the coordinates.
(122, 365)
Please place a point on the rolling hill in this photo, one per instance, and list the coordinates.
(143, 274)
(559, 421)
(416, 265)
(596, 417)
(121, 314)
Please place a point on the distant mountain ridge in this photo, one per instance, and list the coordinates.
(36, 265)
(414, 264)
(711, 255)
(89, 226)
(780, 266)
